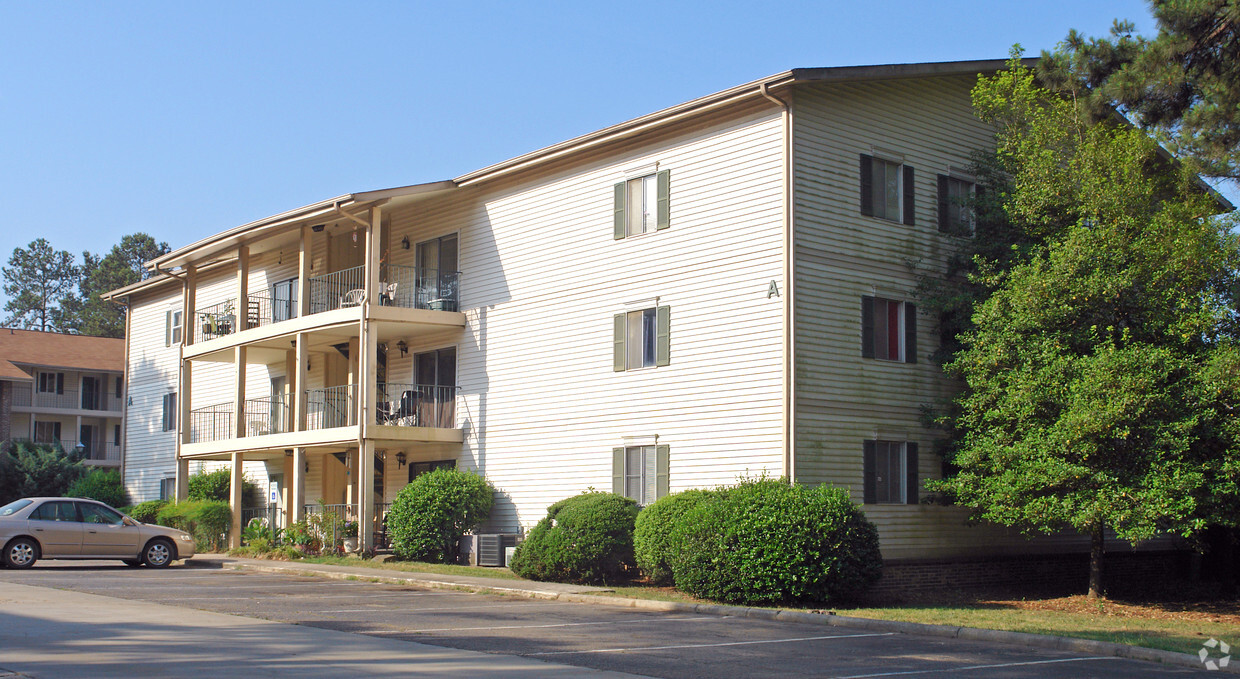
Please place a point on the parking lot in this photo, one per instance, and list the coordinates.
(600, 637)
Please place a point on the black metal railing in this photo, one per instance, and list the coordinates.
(217, 320)
(260, 311)
(416, 405)
(331, 407)
(211, 423)
(414, 287)
(338, 289)
(266, 415)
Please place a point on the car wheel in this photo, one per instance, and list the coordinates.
(158, 553)
(133, 563)
(21, 553)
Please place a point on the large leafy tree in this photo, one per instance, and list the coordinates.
(1183, 84)
(1099, 363)
(123, 265)
(36, 280)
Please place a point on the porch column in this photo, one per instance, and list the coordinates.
(366, 494)
(189, 320)
(235, 501)
(243, 289)
(372, 252)
(239, 392)
(303, 273)
(301, 360)
(181, 492)
(297, 493)
(185, 423)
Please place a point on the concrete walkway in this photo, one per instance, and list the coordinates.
(52, 633)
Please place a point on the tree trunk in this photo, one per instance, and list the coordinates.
(1096, 552)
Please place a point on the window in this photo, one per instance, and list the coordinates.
(640, 472)
(172, 334)
(890, 470)
(956, 205)
(116, 435)
(642, 339)
(284, 300)
(120, 385)
(46, 432)
(168, 488)
(170, 412)
(51, 383)
(642, 205)
(417, 469)
(887, 190)
(56, 510)
(93, 513)
(888, 330)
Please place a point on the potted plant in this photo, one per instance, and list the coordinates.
(350, 537)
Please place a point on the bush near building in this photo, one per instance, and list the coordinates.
(769, 542)
(429, 516)
(653, 545)
(103, 485)
(587, 539)
(207, 520)
(217, 486)
(146, 512)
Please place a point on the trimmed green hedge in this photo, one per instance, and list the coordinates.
(587, 538)
(207, 520)
(146, 512)
(103, 485)
(768, 542)
(653, 545)
(217, 485)
(429, 517)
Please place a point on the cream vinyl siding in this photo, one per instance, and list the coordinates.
(150, 452)
(542, 278)
(843, 399)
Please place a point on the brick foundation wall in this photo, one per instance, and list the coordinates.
(1066, 573)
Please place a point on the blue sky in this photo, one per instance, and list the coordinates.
(185, 119)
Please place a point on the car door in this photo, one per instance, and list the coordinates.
(105, 532)
(56, 526)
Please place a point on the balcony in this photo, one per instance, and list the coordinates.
(24, 396)
(99, 453)
(406, 287)
(416, 405)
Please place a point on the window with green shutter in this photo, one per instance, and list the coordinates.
(889, 470)
(641, 339)
(887, 190)
(642, 205)
(888, 330)
(955, 206)
(641, 472)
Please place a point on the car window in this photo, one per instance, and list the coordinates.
(55, 510)
(14, 506)
(93, 513)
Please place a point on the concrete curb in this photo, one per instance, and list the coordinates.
(1071, 644)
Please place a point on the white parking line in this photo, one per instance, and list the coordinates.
(562, 624)
(727, 643)
(286, 597)
(974, 667)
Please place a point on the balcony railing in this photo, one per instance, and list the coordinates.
(416, 405)
(336, 290)
(414, 287)
(212, 423)
(267, 415)
(24, 396)
(331, 407)
(217, 320)
(100, 451)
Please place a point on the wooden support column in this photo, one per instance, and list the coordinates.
(239, 391)
(185, 422)
(373, 254)
(182, 480)
(301, 359)
(297, 493)
(366, 494)
(243, 289)
(303, 273)
(235, 500)
(189, 316)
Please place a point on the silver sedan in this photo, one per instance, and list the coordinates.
(76, 528)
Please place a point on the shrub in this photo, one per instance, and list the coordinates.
(216, 486)
(430, 515)
(653, 546)
(587, 538)
(148, 511)
(768, 542)
(103, 485)
(206, 520)
(36, 470)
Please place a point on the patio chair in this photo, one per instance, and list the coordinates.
(388, 296)
(352, 298)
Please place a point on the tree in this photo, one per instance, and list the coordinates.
(1184, 84)
(36, 280)
(86, 312)
(36, 470)
(1099, 367)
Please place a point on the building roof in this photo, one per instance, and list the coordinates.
(54, 350)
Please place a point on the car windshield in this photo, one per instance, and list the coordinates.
(14, 506)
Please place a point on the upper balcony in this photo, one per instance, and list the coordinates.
(65, 401)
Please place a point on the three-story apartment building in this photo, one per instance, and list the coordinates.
(63, 389)
(716, 290)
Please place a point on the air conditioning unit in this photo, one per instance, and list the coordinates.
(491, 547)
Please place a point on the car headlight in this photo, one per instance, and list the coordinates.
(185, 537)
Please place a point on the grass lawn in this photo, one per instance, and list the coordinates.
(1174, 623)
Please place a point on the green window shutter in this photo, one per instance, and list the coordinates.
(945, 222)
(662, 466)
(619, 226)
(867, 185)
(168, 328)
(618, 333)
(910, 333)
(617, 471)
(867, 327)
(910, 463)
(909, 197)
(662, 339)
(664, 181)
(868, 454)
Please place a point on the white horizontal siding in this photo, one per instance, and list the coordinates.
(150, 452)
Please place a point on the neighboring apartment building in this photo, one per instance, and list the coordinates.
(716, 290)
(64, 389)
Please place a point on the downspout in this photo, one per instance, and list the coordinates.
(125, 391)
(789, 337)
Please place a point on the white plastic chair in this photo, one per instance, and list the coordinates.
(352, 298)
